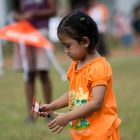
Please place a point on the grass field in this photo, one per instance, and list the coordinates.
(13, 104)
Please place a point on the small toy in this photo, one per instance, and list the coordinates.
(35, 106)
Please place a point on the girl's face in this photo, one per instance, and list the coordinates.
(74, 49)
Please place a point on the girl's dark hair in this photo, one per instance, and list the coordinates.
(77, 25)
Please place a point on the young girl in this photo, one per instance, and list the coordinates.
(92, 107)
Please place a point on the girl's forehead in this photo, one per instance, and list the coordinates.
(63, 36)
(65, 39)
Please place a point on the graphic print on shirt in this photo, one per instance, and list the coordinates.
(78, 98)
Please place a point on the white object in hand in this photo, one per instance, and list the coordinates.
(36, 108)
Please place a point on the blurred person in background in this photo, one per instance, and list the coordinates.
(37, 12)
(122, 28)
(136, 26)
(79, 5)
(100, 14)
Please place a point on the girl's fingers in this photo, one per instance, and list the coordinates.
(42, 108)
(52, 124)
(56, 128)
(43, 114)
(60, 129)
(40, 114)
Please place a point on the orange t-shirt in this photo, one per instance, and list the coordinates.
(101, 124)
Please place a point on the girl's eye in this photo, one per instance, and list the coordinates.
(67, 46)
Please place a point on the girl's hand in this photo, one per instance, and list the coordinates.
(59, 122)
(44, 110)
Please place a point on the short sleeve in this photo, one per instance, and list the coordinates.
(100, 74)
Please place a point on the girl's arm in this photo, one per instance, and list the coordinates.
(98, 93)
(63, 118)
(61, 102)
(57, 104)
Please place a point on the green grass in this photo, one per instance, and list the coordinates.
(13, 104)
(127, 88)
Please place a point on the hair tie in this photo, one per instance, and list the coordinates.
(82, 18)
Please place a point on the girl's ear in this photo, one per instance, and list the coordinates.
(85, 41)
